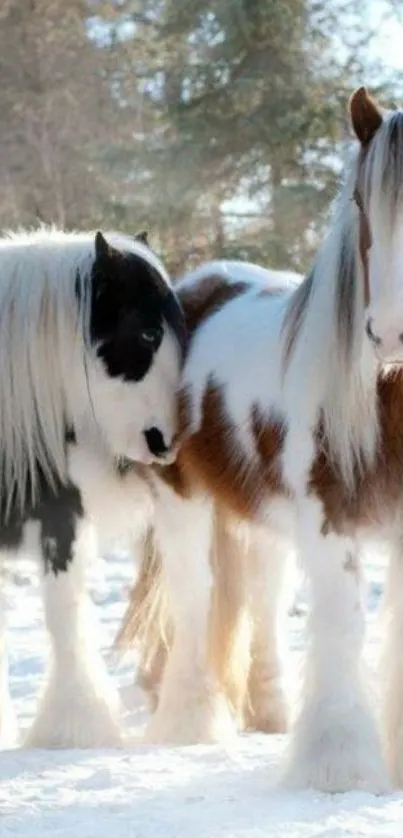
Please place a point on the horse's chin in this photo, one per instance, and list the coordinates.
(146, 458)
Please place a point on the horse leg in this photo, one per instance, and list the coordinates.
(8, 721)
(266, 559)
(335, 746)
(392, 664)
(230, 623)
(79, 707)
(191, 707)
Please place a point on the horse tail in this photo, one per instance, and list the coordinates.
(148, 625)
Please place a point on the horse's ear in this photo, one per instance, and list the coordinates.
(365, 115)
(102, 249)
(142, 237)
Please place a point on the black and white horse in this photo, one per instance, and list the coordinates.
(91, 345)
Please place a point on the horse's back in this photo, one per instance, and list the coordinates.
(235, 270)
(211, 286)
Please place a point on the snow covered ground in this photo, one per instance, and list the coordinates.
(144, 792)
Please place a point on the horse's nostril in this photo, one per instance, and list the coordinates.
(155, 442)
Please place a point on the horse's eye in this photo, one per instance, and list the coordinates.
(150, 337)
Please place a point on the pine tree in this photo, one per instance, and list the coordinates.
(240, 99)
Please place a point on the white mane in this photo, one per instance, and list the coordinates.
(44, 351)
(331, 363)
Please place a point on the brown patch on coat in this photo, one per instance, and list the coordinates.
(202, 299)
(199, 302)
(269, 438)
(175, 477)
(377, 487)
(214, 458)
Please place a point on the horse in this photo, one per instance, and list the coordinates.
(290, 410)
(92, 341)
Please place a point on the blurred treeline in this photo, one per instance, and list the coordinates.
(218, 125)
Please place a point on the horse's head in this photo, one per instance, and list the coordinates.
(378, 193)
(138, 331)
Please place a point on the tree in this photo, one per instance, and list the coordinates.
(53, 103)
(217, 124)
(240, 99)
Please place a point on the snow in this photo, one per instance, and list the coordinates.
(148, 792)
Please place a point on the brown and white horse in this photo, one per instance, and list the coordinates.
(291, 422)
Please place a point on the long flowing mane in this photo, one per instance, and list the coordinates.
(43, 321)
(326, 353)
(45, 294)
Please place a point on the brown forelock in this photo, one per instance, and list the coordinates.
(378, 487)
